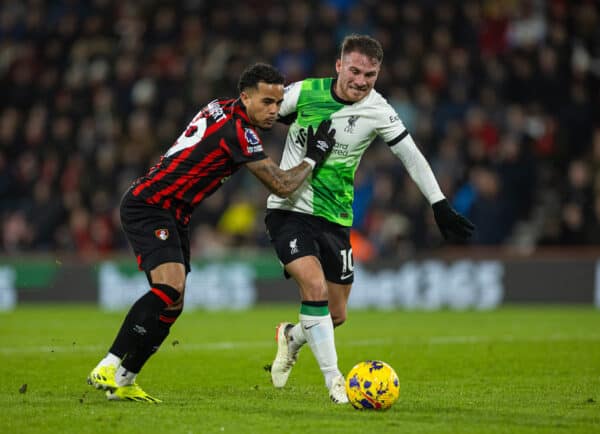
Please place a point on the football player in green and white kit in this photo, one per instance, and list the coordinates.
(310, 229)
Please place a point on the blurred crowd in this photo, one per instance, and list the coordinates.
(502, 97)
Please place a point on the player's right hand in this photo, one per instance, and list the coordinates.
(319, 144)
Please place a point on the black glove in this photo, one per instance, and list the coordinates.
(319, 144)
(450, 222)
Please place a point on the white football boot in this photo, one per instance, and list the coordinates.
(337, 390)
(285, 358)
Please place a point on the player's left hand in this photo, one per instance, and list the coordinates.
(320, 143)
(450, 222)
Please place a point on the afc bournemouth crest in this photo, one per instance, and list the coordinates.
(162, 234)
(351, 124)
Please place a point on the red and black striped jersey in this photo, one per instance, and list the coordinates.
(216, 143)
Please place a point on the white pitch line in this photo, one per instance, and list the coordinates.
(225, 346)
(445, 340)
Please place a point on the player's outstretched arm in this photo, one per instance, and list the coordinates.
(319, 145)
(451, 223)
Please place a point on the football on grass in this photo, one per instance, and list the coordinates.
(372, 385)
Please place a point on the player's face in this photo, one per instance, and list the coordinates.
(262, 104)
(357, 75)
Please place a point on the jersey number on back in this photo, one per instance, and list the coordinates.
(190, 137)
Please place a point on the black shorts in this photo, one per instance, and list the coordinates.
(154, 234)
(295, 235)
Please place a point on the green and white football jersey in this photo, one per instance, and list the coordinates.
(329, 191)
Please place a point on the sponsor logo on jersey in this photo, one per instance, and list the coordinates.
(351, 124)
(341, 149)
(394, 118)
(294, 246)
(162, 234)
(215, 110)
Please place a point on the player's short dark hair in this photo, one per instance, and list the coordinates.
(257, 73)
(362, 44)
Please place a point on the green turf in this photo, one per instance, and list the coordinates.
(515, 370)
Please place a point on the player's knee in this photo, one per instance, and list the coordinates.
(176, 282)
(172, 274)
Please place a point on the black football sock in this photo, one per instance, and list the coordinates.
(142, 319)
(135, 360)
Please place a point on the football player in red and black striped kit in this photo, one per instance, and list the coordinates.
(156, 210)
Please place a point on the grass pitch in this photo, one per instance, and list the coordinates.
(514, 370)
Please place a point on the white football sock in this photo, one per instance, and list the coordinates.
(110, 360)
(318, 331)
(123, 377)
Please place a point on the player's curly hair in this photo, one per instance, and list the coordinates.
(363, 44)
(257, 73)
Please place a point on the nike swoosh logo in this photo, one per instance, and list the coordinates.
(346, 276)
(308, 327)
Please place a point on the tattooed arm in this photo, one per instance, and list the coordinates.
(319, 145)
(280, 182)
